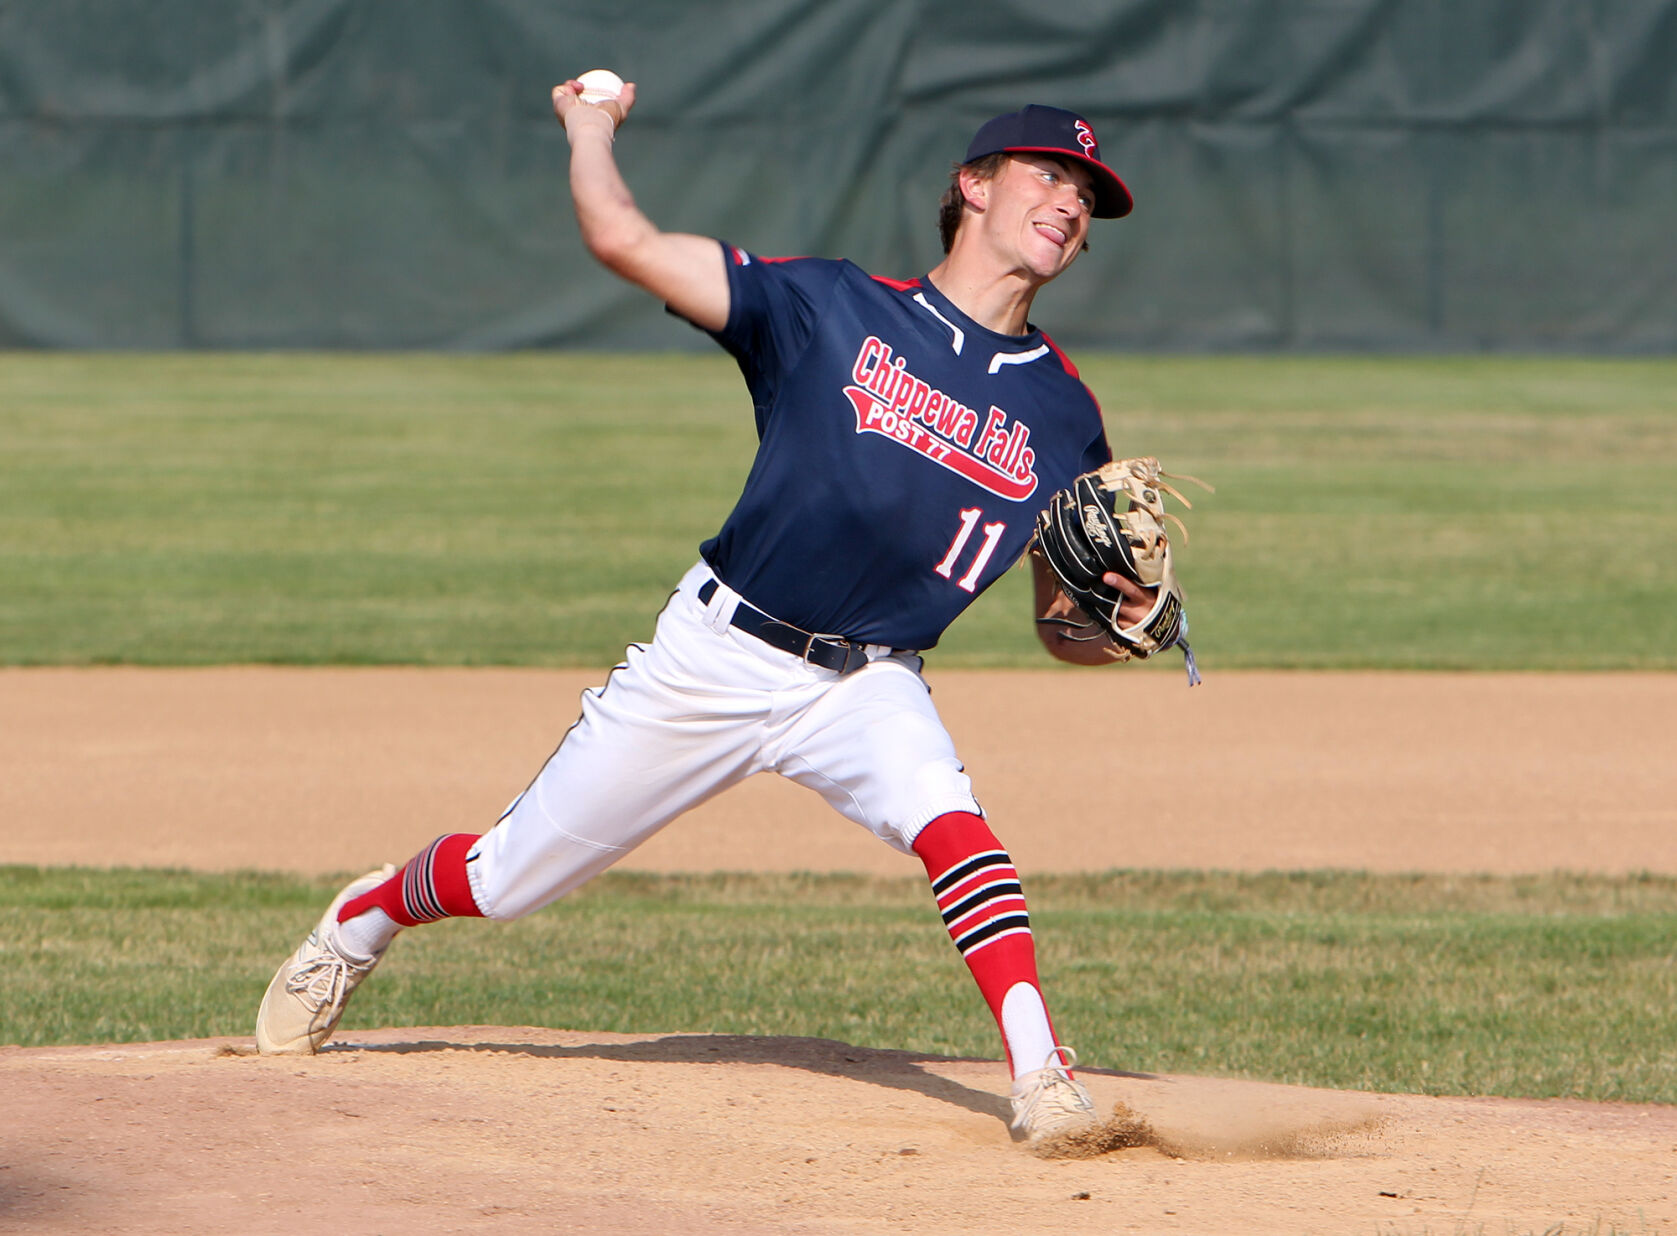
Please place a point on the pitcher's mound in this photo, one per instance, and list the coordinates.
(498, 1129)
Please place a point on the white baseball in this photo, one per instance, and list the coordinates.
(599, 86)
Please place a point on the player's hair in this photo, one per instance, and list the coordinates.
(954, 201)
(953, 205)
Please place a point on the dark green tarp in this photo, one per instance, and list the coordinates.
(1320, 174)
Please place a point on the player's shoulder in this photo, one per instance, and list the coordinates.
(906, 286)
(811, 276)
(1062, 368)
(805, 266)
(1063, 374)
(1060, 356)
(790, 264)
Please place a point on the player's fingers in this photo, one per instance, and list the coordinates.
(565, 97)
(1137, 602)
(568, 95)
(1130, 590)
(618, 108)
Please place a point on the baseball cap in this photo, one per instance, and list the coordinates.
(1036, 129)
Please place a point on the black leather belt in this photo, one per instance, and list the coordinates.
(839, 655)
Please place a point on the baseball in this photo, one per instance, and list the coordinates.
(599, 86)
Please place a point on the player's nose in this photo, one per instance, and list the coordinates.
(1068, 199)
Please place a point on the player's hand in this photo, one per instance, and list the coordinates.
(566, 101)
(1137, 602)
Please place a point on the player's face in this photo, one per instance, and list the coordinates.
(1043, 204)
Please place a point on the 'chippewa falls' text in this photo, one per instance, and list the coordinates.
(892, 401)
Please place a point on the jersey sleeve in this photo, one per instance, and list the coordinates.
(774, 310)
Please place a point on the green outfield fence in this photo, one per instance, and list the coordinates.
(1309, 174)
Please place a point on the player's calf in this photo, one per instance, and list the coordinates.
(983, 906)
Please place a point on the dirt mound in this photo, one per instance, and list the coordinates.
(502, 1129)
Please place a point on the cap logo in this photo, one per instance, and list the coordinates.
(1086, 138)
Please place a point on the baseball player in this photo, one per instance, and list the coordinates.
(910, 431)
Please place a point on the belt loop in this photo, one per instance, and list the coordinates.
(719, 610)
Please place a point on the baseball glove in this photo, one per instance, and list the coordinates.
(1113, 519)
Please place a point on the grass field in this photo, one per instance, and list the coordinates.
(1556, 986)
(1444, 513)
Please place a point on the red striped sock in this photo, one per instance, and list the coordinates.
(983, 906)
(432, 886)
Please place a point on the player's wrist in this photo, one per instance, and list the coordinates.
(582, 120)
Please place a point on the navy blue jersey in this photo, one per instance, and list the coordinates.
(904, 453)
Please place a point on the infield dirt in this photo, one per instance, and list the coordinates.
(517, 1129)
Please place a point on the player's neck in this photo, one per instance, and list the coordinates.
(998, 300)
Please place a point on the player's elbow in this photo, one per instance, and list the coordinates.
(631, 253)
(613, 245)
(1063, 650)
(1058, 651)
(1096, 650)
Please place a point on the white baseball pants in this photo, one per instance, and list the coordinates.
(700, 708)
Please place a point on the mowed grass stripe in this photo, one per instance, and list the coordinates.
(1552, 986)
(535, 509)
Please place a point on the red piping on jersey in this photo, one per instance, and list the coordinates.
(1064, 359)
(900, 285)
(740, 256)
(1072, 370)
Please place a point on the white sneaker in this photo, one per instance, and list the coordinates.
(307, 996)
(1051, 1101)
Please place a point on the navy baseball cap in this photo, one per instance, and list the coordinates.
(1052, 130)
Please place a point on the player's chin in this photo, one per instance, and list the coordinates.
(1048, 259)
(1056, 265)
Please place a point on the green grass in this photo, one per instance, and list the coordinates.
(409, 509)
(1557, 986)
(1440, 513)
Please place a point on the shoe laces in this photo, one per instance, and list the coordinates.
(1052, 1097)
(325, 979)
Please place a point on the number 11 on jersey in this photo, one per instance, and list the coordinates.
(992, 534)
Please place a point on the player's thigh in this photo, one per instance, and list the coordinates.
(875, 748)
(644, 750)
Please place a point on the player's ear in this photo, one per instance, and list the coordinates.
(975, 188)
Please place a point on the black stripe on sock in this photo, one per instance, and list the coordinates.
(419, 894)
(973, 865)
(978, 935)
(1008, 888)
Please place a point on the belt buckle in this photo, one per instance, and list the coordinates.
(826, 645)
